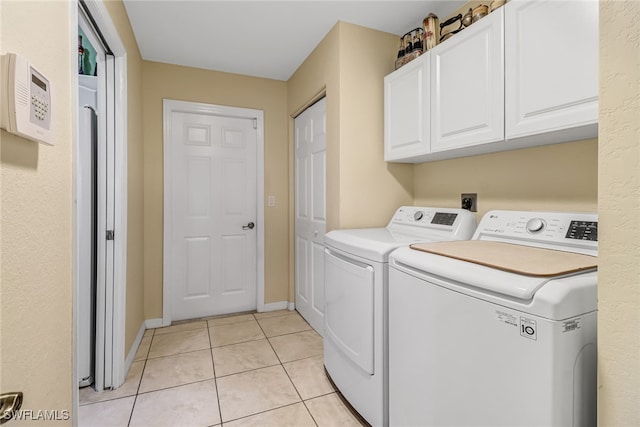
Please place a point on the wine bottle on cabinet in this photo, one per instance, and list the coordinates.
(408, 45)
(417, 41)
(401, 48)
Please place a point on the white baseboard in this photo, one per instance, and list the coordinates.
(292, 306)
(134, 349)
(273, 306)
(153, 323)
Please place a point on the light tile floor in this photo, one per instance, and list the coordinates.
(262, 369)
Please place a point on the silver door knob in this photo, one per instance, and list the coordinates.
(10, 403)
(248, 226)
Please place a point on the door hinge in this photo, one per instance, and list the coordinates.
(110, 234)
(255, 123)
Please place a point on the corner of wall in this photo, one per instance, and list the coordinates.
(619, 215)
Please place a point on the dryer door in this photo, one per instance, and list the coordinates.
(349, 310)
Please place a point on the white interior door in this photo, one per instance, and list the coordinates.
(213, 214)
(310, 212)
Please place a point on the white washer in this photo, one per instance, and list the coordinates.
(356, 272)
(472, 345)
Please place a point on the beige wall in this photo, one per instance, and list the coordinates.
(135, 166)
(36, 194)
(36, 290)
(351, 62)
(370, 188)
(36, 202)
(614, 161)
(191, 84)
(561, 177)
(320, 71)
(619, 214)
(362, 190)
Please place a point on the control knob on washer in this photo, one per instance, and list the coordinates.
(535, 225)
(418, 215)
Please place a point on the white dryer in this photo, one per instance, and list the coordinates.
(356, 273)
(499, 330)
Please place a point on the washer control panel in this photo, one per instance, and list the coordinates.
(536, 225)
(574, 232)
(583, 230)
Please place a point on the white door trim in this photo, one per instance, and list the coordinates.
(113, 366)
(169, 107)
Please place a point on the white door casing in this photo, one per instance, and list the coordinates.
(213, 259)
(111, 367)
(310, 213)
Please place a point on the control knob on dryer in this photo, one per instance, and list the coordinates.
(535, 225)
(418, 215)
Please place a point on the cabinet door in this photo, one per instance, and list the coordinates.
(552, 66)
(467, 84)
(406, 113)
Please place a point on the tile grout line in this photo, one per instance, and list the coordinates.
(264, 412)
(182, 330)
(179, 385)
(123, 397)
(287, 373)
(175, 386)
(155, 335)
(172, 336)
(133, 407)
(215, 377)
(222, 422)
(229, 324)
(135, 396)
(263, 367)
(176, 354)
(299, 395)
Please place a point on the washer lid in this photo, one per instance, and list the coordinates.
(373, 244)
(485, 279)
(526, 260)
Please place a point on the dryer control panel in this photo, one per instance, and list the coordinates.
(569, 232)
(458, 224)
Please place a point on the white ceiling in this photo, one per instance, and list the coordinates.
(263, 38)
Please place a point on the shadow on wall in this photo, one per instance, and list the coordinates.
(403, 174)
(18, 151)
(562, 177)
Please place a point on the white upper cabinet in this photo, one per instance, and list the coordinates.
(406, 110)
(467, 86)
(525, 75)
(551, 50)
